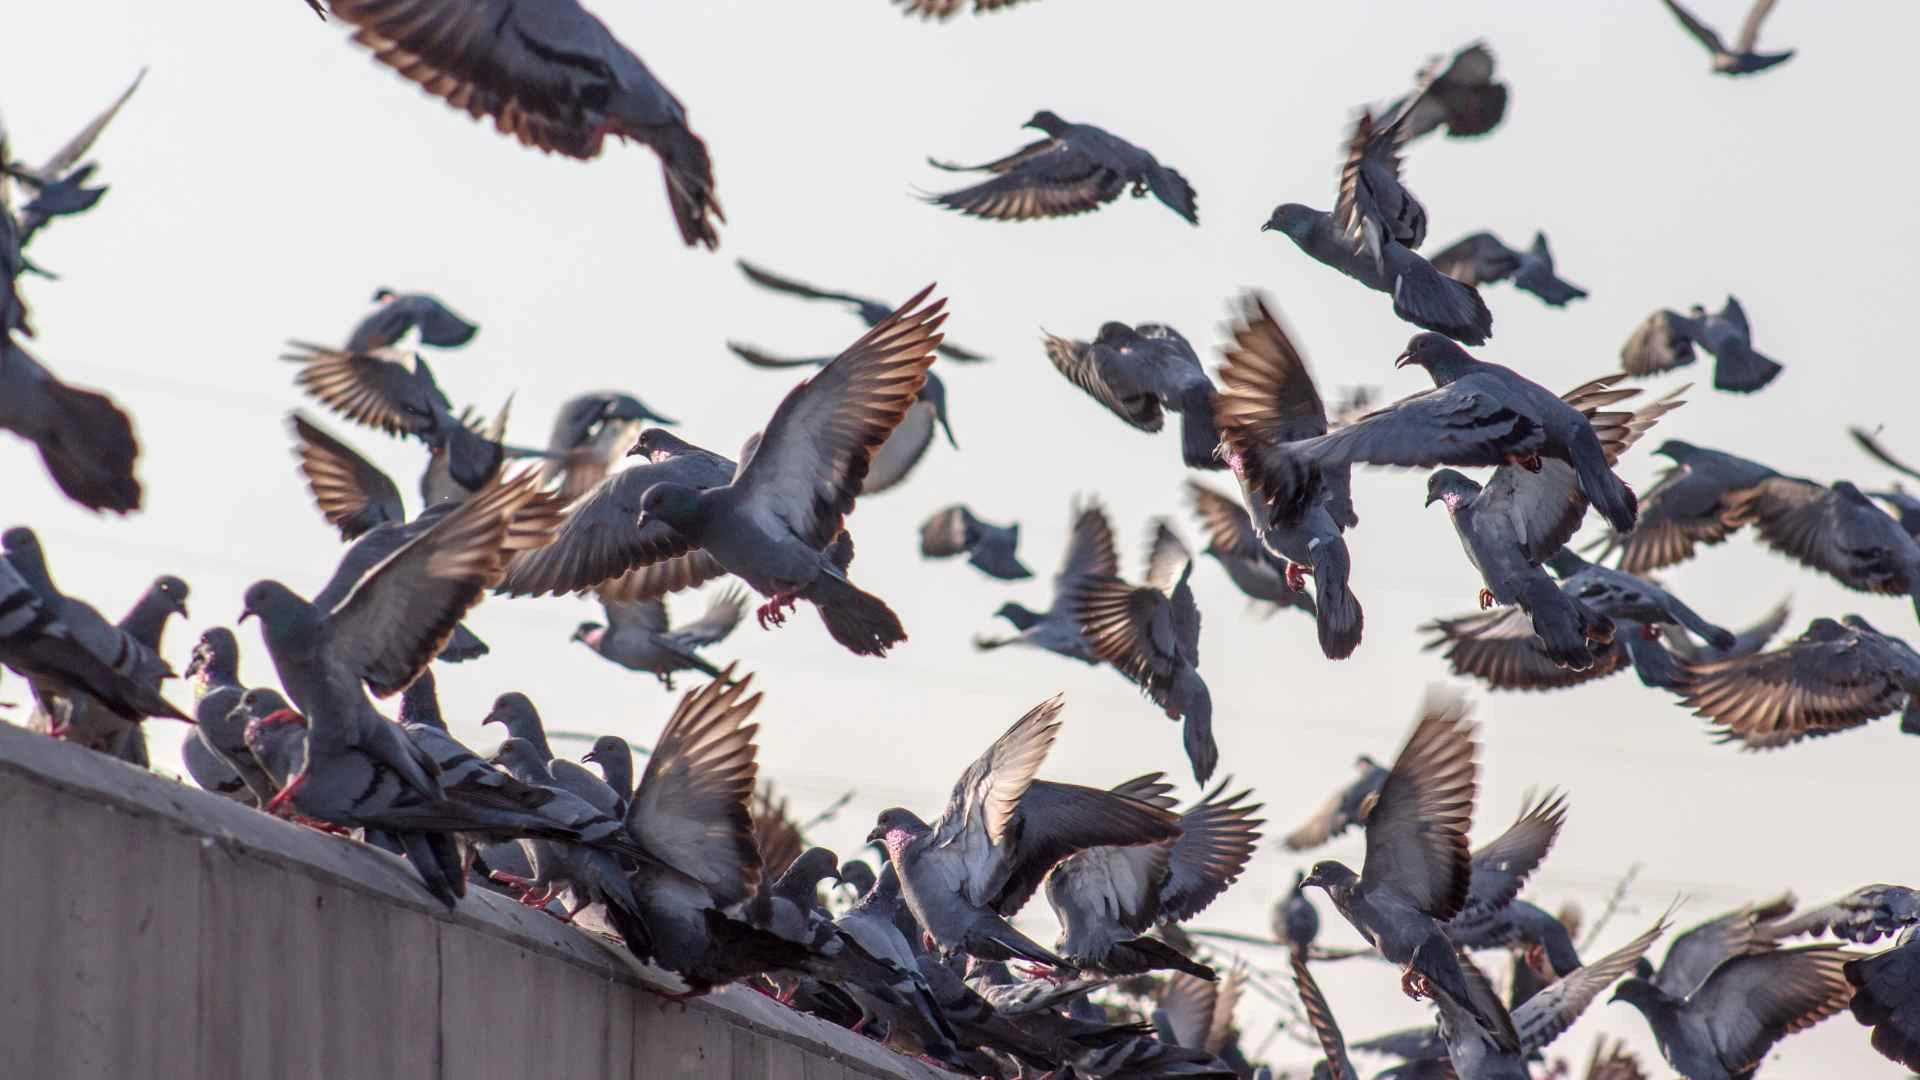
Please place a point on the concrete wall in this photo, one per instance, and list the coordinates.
(155, 930)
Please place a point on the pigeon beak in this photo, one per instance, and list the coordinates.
(591, 755)
(877, 835)
(1403, 359)
(180, 607)
(491, 718)
(245, 614)
(1431, 499)
(641, 521)
(195, 664)
(1267, 227)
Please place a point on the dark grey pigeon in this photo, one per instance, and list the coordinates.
(1481, 259)
(1863, 916)
(970, 871)
(1500, 869)
(1076, 168)
(1141, 372)
(1232, 542)
(1267, 403)
(352, 493)
(615, 758)
(593, 874)
(1834, 677)
(776, 524)
(1746, 641)
(1296, 922)
(219, 723)
(868, 310)
(84, 439)
(1107, 898)
(989, 547)
(1482, 415)
(1836, 530)
(64, 658)
(1150, 634)
(1418, 872)
(84, 720)
(1621, 595)
(549, 73)
(1347, 808)
(276, 737)
(211, 771)
(1090, 554)
(514, 711)
(1741, 59)
(872, 926)
(1685, 508)
(602, 544)
(638, 637)
(1726, 1026)
(1886, 998)
(1499, 648)
(590, 433)
(400, 313)
(1463, 96)
(59, 184)
(1664, 341)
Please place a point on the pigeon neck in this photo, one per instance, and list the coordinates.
(148, 619)
(619, 774)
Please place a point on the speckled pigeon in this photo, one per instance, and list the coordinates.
(1140, 373)
(549, 73)
(1742, 58)
(1090, 554)
(1481, 259)
(1685, 508)
(1834, 677)
(989, 547)
(1665, 340)
(637, 635)
(400, 313)
(1002, 831)
(1836, 530)
(1076, 168)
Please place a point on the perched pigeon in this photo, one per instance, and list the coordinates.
(1090, 555)
(1267, 403)
(1348, 807)
(1836, 530)
(872, 925)
(636, 635)
(1150, 634)
(400, 313)
(1740, 1008)
(211, 771)
(81, 719)
(1076, 168)
(1481, 259)
(68, 658)
(1140, 372)
(1002, 831)
(1741, 59)
(1624, 596)
(85, 440)
(615, 758)
(1686, 507)
(1231, 541)
(1418, 871)
(868, 310)
(989, 547)
(774, 525)
(590, 433)
(594, 875)
(1834, 677)
(896, 458)
(1664, 341)
(1863, 916)
(219, 723)
(1106, 898)
(60, 183)
(514, 711)
(549, 73)
(1463, 96)
(1886, 998)
(1296, 922)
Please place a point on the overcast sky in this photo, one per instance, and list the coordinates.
(268, 176)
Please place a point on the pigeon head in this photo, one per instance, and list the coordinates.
(1675, 449)
(173, 591)
(515, 712)
(1331, 875)
(895, 829)
(1047, 121)
(215, 656)
(518, 757)
(1443, 359)
(804, 874)
(1858, 623)
(1293, 219)
(1451, 487)
(656, 444)
(282, 613)
(383, 294)
(1365, 763)
(676, 504)
(1639, 991)
(857, 875)
(1824, 629)
(1848, 491)
(608, 748)
(1116, 335)
(589, 632)
(934, 393)
(1019, 615)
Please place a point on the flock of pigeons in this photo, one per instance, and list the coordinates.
(697, 867)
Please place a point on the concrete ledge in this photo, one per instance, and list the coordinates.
(158, 930)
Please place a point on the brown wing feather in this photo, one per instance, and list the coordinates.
(1417, 833)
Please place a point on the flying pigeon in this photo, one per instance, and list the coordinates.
(1320, 1018)
(590, 433)
(989, 547)
(1833, 677)
(1348, 807)
(1481, 259)
(774, 525)
(400, 313)
(1139, 373)
(1621, 595)
(1076, 168)
(1464, 97)
(1418, 872)
(551, 74)
(1836, 530)
(1267, 403)
(84, 439)
(1885, 999)
(868, 310)
(60, 183)
(1150, 634)
(1686, 507)
(1231, 541)
(1726, 1025)
(1863, 916)
(1741, 59)
(1746, 641)
(1090, 554)
(1493, 916)
(1002, 831)
(896, 458)
(1500, 649)
(636, 635)
(1664, 341)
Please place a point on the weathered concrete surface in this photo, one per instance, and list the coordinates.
(157, 930)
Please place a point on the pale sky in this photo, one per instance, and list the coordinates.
(268, 176)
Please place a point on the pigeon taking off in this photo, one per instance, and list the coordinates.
(1665, 340)
(1741, 59)
(989, 547)
(1139, 373)
(1076, 168)
(1481, 259)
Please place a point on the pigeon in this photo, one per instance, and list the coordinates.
(211, 771)
(1374, 228)
(872, 925)
(774, 524)
(615, 758)
(60, 183)
(549, 73)
(1150, 634)
(1002, 831)
(94, 725)
(593, 874)
(1296, 922)
(85, 440)
(1836, 530)
(989, 547)
(1741, 59)
(1464, 97)
(1106, 898)
(1726, 1025)
(385, 630)
(276, 738)
(602, 546)
(1493, 916)
(352, 493)
(1418, 872)
(1481, 259)
(1268, 402)
(514, 711)
(1686, 507)
(1621, 595)
(1140, 372)
(1499, 648)
(1664, 341)
(947, 9)
(1326, 1029)
(219, 724)
(1834, 677)
(1076, 168)
(66, 658)
(896, 458)
(1348, 807)
(1884, 998)
(1231, 541)
(590, 433)
(1090, 554)
(1870, 442)
(636, 635)
(1746, 642)
(1863, 916)
(869, 311)
(400, 313)
(1197, 1013)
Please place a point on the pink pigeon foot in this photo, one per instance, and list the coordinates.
(1415, 985)
(775, 609)
(1486, 598)
(1297, 574)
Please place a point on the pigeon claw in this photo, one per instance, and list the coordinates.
(1529, 462)
(1486, 598)
(1297, 574)
(1415, 985)
(773, 612)
(1650, 632)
